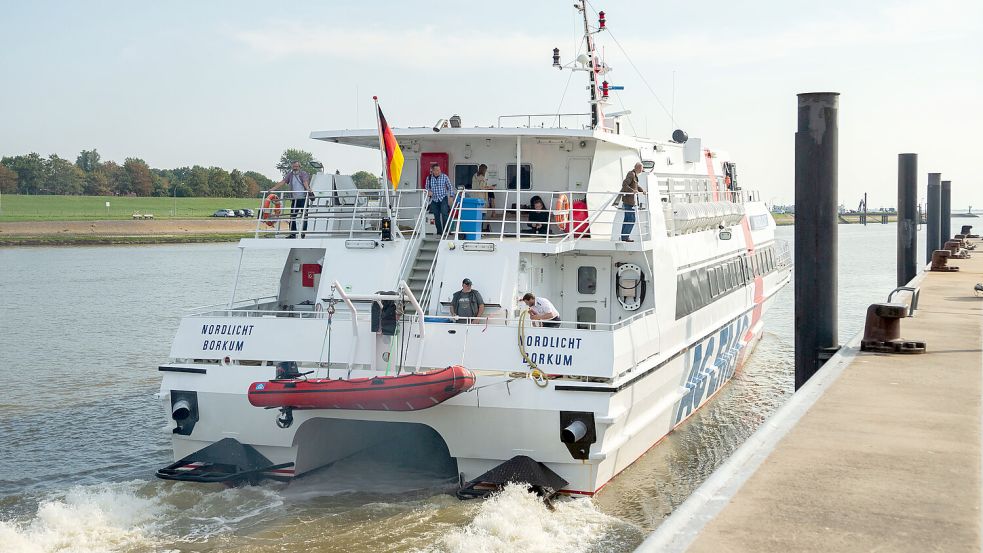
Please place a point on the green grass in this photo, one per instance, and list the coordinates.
(82, 208)
(97, 240)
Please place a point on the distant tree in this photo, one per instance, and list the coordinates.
(252, 187)
(97, 182)
(262, 181)
(219, 182)
(239, 188)
(8, 180)
(63, 177)
(31, 169)
(291, 155)
(198, 182)
(162, 185)
(364, 179)
(138, 173)
(87, 160)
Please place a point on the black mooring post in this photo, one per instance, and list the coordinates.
(945, 207)
(816, 148)
(907, 224)
(865, 209)
(932, 234)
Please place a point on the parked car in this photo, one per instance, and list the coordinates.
(249, 213)
(224, 213)
(240, 213)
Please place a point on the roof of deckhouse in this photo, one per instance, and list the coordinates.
(369, 138)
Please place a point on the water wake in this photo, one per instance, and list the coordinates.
(516, 520)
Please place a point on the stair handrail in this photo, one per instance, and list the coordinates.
(419, 231)
(337, 287)
(405, 288)
(428, 284)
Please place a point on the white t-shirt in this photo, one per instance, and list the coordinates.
(542, 307)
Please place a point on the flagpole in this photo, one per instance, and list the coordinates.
(382, 152)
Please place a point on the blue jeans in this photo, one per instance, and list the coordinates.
(441, 213)
(629, 222)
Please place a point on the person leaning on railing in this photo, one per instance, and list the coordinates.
(629, 194)
(300, 187)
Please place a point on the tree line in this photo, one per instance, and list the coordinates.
(91, 176)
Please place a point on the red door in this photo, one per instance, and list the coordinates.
(427, 158)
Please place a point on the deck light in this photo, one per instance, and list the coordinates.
(604, 89)
(601, 22)
(556, 58)
(360, 244)
(478, 246)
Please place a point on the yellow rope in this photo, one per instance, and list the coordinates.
(537, 376)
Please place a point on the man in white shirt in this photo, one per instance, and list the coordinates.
(542, 310)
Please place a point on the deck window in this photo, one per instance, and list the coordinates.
(526, 176)
(463, 174)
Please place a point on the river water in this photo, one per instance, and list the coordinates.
(82, 331)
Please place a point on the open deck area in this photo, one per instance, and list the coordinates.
(877, 452)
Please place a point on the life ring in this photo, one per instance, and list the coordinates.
(272, 207)
(561, 213)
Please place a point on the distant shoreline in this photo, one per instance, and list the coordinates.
(118, 232)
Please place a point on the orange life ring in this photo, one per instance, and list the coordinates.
(272, 207)
(561, 212)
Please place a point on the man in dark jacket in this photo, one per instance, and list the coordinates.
(629, 193)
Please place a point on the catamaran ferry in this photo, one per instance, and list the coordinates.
(655, 295)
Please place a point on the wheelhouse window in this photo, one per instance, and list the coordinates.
(526, 176)
(463, 174)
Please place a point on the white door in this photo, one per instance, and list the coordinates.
(410, 177)
(578, 173)
(587, 290)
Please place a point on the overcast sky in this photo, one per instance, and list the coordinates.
(233, 83)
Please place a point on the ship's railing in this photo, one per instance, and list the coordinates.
(783, 253)
(341, 214)
(318, 310)
(548, 120)
(697, 189)
(428, 285)
(563, 216)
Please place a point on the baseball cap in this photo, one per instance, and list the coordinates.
(466, 281)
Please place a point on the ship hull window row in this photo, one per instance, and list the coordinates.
(698, 288)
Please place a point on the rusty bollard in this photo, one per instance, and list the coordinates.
(967, 230)
(956, 250)
(882, 330)
(940, 260)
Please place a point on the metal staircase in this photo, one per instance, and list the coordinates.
(419, 273)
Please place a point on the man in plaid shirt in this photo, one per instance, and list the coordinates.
(439, 189)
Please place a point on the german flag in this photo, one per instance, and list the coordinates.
(394, 156)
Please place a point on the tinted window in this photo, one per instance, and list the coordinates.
(526, 176)
(463, 175)
(586, 315)
(587, 280)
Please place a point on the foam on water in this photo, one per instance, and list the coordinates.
(110, 517)
(516, 520)
(134, 516)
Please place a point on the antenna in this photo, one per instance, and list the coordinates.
(672, 113)
(594, 66)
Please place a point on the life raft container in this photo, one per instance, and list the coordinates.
(272, 207)
(407, 392)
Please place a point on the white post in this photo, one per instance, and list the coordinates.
(518, 185)
(236, 283)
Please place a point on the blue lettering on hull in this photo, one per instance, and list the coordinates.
(713, 364)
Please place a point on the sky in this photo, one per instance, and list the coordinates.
(234, 83)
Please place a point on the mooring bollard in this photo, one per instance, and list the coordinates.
(940, 262)
(882, 330)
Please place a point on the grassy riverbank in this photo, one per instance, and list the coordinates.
(95, 240)
(15, 208)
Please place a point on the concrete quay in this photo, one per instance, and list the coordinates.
(877, 452)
